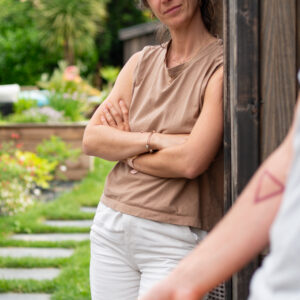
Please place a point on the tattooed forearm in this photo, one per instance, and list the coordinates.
(268, 187)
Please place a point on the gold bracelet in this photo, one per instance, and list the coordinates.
(148, 147)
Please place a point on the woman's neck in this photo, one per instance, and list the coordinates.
(187, 41)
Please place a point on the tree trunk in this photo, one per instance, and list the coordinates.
(68, 53)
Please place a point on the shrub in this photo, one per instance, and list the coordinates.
(22, 172)
(24, 104)
(71, 108)
(56, 150)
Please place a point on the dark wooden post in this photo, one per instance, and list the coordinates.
(241, 110)
(227, 125)
(298, 33)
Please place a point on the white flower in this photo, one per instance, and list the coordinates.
(37, 192)
(63, 168)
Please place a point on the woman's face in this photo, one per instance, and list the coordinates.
(174, 13)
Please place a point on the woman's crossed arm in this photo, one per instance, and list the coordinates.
(108, 134)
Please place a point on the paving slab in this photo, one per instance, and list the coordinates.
(11, 296)
(52, 237)
(34, 273)
(35, 252)
(89, 209)
(69, 223)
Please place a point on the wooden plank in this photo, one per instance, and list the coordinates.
(67, 134)
(278, 71)
(77, 174)
(243, 75)
(298, 33)
(227, 125)
(83, 161)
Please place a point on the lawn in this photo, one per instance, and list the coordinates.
(73, 281)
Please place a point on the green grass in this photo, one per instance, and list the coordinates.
(73, 281)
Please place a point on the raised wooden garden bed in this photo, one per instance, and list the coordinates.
(32, 134)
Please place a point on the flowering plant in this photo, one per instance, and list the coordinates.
(56, 150)
(19, 174)
(24, 172)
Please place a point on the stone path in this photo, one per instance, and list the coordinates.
(89, 209)
(34, 273)
(42, 273)
(36, 252)
(51, 237)
(69, 223)
(11, 296)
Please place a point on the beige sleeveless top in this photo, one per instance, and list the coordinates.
(169, 100)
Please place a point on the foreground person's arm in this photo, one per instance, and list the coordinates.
(241, 234)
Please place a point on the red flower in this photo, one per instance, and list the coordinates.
(15, 135)
(19, 145)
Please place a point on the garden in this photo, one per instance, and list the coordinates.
(59, 61)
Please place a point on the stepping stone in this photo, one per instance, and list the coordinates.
(69, 223)
(89, 209)
(35, 252)
(34, 273)
(11, 296)
(52, 237)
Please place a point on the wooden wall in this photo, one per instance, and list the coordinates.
(278, 70)
(262, 55)
(135, 38)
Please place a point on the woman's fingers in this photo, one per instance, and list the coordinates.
(103, 120)
(109, 118)
(116, 116)
(124, 111)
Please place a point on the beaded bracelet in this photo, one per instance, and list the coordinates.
(148, 147)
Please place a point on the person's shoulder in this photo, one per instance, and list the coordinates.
(148, 52)
(216, 51)
(152, 50)
(217, 47)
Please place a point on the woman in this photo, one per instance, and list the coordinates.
(155, 207)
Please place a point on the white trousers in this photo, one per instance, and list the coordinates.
(130, 254)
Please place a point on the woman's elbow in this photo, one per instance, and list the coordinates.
(87, 144)
(193, 170)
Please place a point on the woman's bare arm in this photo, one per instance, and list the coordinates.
(117, 142)
(194, 156)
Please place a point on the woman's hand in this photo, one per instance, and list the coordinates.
(167, 290)
(111, 117)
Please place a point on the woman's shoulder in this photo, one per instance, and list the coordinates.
(214, 53)
(152, 51)
(216, 47)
